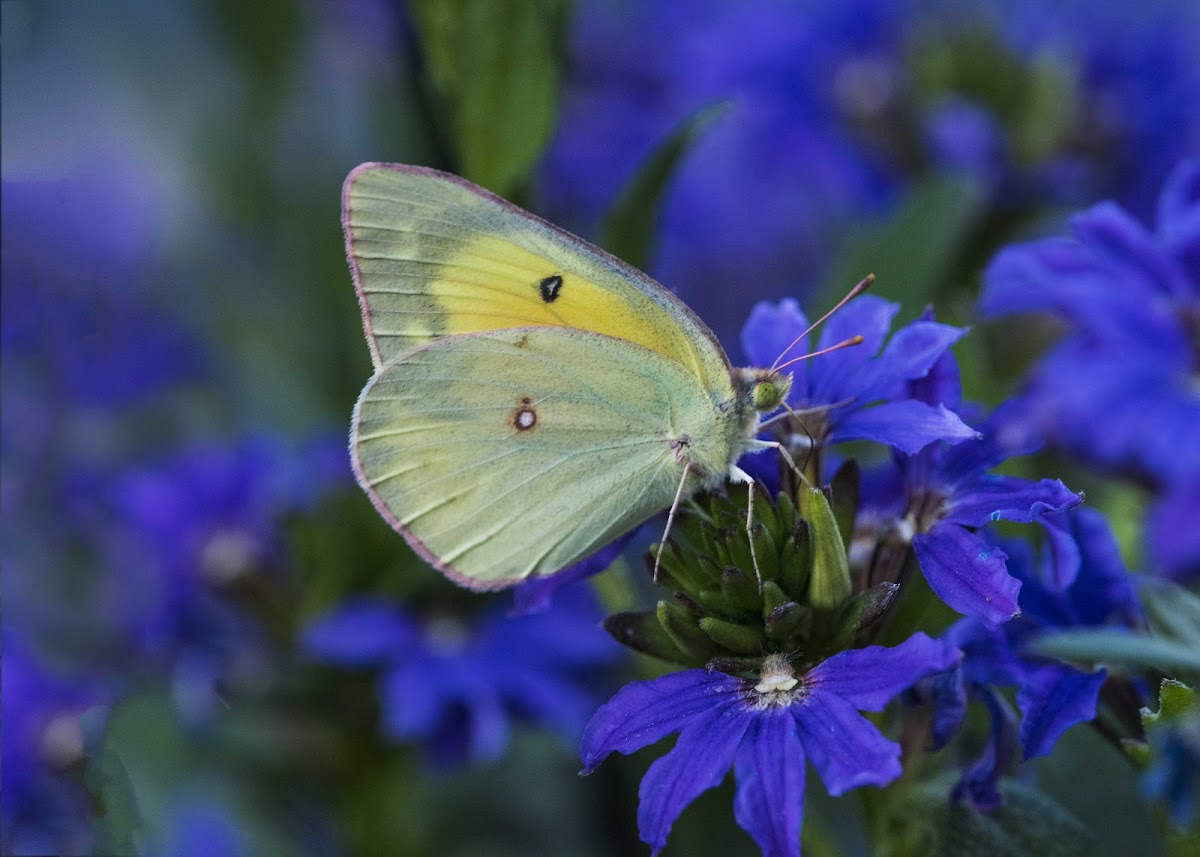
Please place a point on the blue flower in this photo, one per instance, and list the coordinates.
(77, 308)
(45, 809)
(1174, 775)
(1081, 581)
(1121, 389)
(179, 536)
(860, 392)
(1136, 72)
(456, 686)
(939, 498)
(765, 731)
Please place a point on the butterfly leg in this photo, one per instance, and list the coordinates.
(670, 519)
(782, 450)
(739, 475)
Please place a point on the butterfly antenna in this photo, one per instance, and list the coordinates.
(845, 343)
(862, 286)
(670, 520)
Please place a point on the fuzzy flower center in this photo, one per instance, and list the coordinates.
(777, 681)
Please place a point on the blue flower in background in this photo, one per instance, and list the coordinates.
(859, 392)
(765, 732)
(834, 116)
(1174, 776)
(78, 309)
(1122, 389)
(45, 807)
(199, 828)
(1079, 582)
(1135, 69)
(456, 686)
(180, 535)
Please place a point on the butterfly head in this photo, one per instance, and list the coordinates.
(768, 388)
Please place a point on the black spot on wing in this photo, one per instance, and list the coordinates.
(550, 287)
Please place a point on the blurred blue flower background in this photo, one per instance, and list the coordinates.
(211, 643)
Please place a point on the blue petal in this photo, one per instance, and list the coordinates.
(645, 712)
(967, 573)
(769, 767)
(1103, 587)
(1173, 539)
(979, 782)
(1179, 216)
(910, 354)
(1063, 556)
(988, 655)
(949, 693)
(536, 593)
(547, 699)
(769, 330)
(1075, 281)
(831, 374)
(907, 425)
(845, 748)
(942, 385)
(1125, 247)
(411, 700)
(1053, 699)
(1009, 498)
(361, 632)
(869, 678)
(698, 762)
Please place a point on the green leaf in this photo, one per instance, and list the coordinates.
(1028, 824)
(1121, 648)
(493, 66)
(1173, 612)
(830, 582)
(913, 252)
(118, 825)
(628, 229)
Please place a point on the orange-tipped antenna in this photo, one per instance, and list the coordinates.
(845, 343)
(863, 285)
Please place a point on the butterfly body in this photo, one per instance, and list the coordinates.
(533, 397)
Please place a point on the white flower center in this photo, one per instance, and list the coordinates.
(776, 680)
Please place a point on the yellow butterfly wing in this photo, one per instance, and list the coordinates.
(433, 255)
(506, 454)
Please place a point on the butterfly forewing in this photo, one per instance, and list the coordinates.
(434, 255)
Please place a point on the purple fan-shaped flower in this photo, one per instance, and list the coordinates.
(1120, 390)
(178, 536)
(456, 686)
(859, 392)
(765, 731)
(1080, 581)
(940, 497)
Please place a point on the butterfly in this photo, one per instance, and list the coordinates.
(533, 397)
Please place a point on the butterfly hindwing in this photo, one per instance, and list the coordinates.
(512, 453)
(434, 255)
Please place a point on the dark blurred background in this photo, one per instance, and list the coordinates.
(182, 348)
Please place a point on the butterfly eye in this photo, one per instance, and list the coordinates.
(769, 392)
